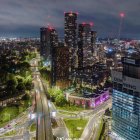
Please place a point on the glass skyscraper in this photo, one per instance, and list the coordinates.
(70, 32)
(126, 100)
(84, 40)
(70, 29)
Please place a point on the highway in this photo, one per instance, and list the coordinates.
(91, 130)
(44, 129)
(61, 131)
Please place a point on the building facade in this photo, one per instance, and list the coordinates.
(70, 29)
(126, 100)
(53, 45)
(70, 33)
(93, 102)
(62, 62)
(84, 42)
(45, 42)
(93, 40)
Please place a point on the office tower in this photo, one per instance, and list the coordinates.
(70, 29)
(126, 100)
(53, 44)
(84, 42)
(44, 42)
(71, 38)
(93, 40)
(84, 33)
(61, 64)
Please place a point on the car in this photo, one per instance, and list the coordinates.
(7, 126)
(2, 130)
(109, 132)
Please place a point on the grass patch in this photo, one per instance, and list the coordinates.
(12, 111)
(100, 130)
(11, 133)
(33, 127)
(75, 126)
(7, 114)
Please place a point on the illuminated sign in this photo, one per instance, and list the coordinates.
(129, 86)
(130, 61)
(124, 84)
(117, 79)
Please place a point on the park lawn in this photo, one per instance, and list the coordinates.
(33, 127)
(7, 114)
(70, 108)
(73, 125)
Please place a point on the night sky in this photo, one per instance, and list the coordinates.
(23, 18)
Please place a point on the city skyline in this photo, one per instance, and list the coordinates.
(78, 79)
(23, 19)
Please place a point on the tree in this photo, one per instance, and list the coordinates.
(25, 65)
(19, 78)
(54, 92)
(26, 97)
(28, 82)
(28, 85)
(4, 72)
(11, 85)
(60, 100)
(21, 86)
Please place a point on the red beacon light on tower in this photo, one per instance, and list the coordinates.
(91, 24)
(70, 13)
(83, 23)
(77, 13)
(122, 15)
(50, 27)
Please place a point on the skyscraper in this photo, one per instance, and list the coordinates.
(61, 64)
(70, 29)
(45, 42)
(48, 42)
(93, 40)
(53, 45)
(84, 41)
(126, 100)
(71, 38)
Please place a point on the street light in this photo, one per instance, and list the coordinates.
(32, 116)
